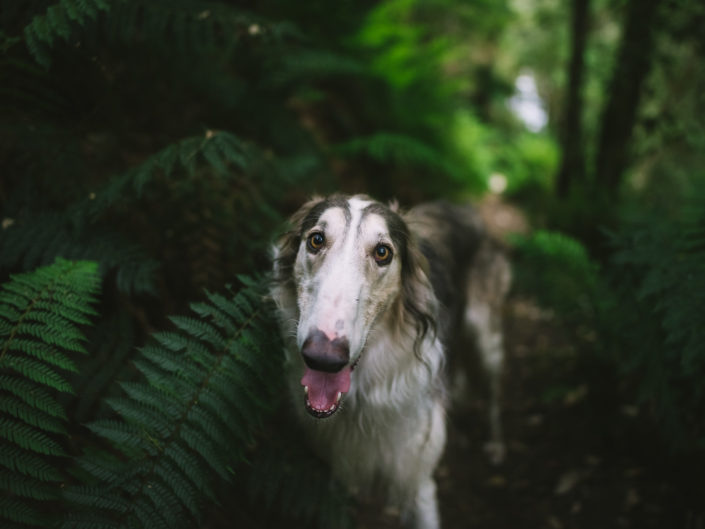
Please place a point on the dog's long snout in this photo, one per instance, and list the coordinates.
(322, 354)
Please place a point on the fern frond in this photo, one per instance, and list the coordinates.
(38, 334)
(40, 239)
(60, 20)
(187, 422)
(18, 409)
(45, 351)
(30, 393)
(222, 151)
(17, 461)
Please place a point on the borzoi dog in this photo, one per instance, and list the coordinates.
(367, 299)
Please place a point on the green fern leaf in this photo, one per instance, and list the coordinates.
(21, 462)
(32, 416)
(186, 425)
(37, 371)
(25, 487)
(184, 489)
(37, 338)
(39, 239)
(17, 510)
(46, 352)
(149, 420)
(218, 150)
(29, 438)
(129, 437)
(199, 329)
(60, 20)
(35, 396)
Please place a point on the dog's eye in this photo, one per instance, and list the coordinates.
(383, 254)
(315, 241)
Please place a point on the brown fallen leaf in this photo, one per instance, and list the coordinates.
(568, 481)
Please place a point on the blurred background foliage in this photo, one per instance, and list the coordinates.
(168, 140)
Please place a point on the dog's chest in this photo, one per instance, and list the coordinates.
(368, 441)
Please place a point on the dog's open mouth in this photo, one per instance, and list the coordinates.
(323, 391)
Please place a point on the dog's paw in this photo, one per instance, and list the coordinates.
(496, 452)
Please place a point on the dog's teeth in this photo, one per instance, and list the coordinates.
(338, 397)
(305, 390)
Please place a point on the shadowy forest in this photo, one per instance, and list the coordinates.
(150, 152)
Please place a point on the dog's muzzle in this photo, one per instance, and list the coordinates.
(323, 354)
(327, 376)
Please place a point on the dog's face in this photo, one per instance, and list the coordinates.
(344, 262)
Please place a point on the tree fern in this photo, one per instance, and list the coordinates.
(205, 388)
(40, 315)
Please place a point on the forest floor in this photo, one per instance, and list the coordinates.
(571, 463)
(578, 456)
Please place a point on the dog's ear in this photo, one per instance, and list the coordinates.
(417, 294)
(418, 303)
(287, 246)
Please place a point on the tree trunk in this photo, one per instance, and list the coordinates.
(630, 72)
(573, 162)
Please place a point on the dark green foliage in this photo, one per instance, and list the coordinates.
(41, 313)
(205, 390)
(557, 270)
(658, 270)
(162, 140)
(400, 150)
(288, 475)
(40, 239)
(643, 309)
(59, 22)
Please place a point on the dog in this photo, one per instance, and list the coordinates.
(368, 299)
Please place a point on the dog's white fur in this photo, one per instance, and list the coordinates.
(390, 428)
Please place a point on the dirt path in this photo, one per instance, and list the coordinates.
(577, 457)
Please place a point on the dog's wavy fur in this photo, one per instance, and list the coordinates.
(449, 277)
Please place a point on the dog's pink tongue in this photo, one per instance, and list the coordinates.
(323, 388)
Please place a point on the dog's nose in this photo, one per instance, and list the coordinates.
(322, 354)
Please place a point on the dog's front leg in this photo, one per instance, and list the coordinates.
(418, 466)
(425, 509)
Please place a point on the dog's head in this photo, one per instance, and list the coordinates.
(347, 264)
